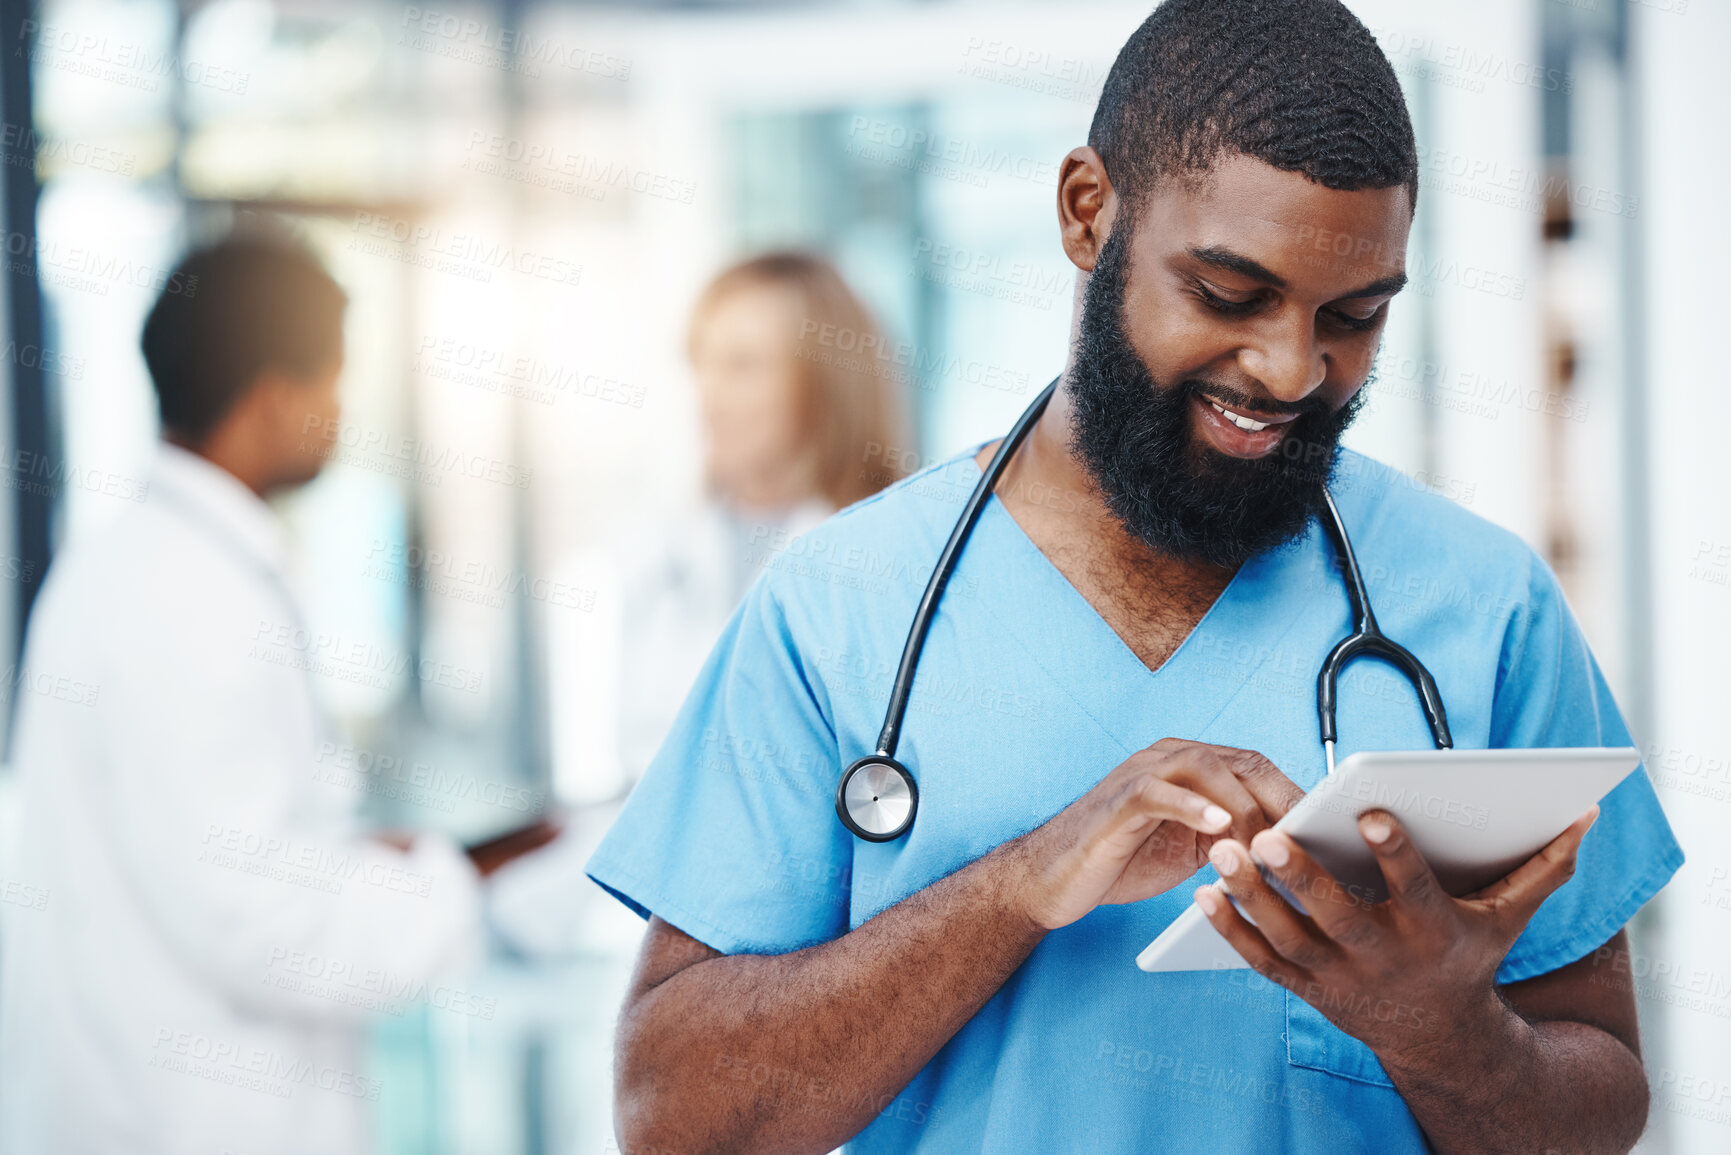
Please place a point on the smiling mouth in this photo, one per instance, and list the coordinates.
(1246, 423)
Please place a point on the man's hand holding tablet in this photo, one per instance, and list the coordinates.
(1406, 964)
(1472, 817)
(1421, 949)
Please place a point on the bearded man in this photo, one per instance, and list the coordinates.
(1117, 699)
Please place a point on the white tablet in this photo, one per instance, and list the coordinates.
(1475, 815)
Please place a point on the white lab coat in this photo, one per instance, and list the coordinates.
(619, 679)
(681, 585)
(215, 933)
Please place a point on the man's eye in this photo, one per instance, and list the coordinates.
(1357, 324)
(1221, 304)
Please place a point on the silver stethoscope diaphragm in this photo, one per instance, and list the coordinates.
(876, 799)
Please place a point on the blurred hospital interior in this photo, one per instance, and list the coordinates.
(640, 291)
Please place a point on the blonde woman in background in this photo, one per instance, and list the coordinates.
(794, 416)
(794, 428)
(795, 425)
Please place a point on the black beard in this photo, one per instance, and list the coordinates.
(1185, 500)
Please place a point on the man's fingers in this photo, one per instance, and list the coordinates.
(1242, 782)
(1246, 939)
(1517, 895)
(1286, 929)
(1341, 911)
(1148, 799)
(1267, 783)
(1215, 781)
(1412, 886)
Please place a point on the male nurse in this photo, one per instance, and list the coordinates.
(1115, 701)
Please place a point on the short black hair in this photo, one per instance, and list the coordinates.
(1298, 84)
(231, 311)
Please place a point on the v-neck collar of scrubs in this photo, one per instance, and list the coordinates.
(1122, 695)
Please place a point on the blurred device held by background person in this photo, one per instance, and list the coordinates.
(201, 980)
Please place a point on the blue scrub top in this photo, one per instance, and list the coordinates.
(1025, 698)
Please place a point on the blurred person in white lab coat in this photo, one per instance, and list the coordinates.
(802, 404)
(219, 930)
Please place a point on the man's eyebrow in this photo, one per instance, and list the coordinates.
(1231, 262)
(1388, 285)
(1228, 261)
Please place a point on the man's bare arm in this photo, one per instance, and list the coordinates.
(799, 1052)
(1557, 1067)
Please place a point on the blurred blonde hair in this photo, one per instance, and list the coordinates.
(848, 384)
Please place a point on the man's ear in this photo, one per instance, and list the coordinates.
(281, 395)
(272, 393)
(1086, 206)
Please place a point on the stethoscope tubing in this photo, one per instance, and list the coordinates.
(903, 685)
(1366, 640)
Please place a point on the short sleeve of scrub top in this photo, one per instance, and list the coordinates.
(731, 836)
(1552, 693)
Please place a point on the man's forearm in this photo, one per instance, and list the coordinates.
(1503, 1084)
(798, 1052)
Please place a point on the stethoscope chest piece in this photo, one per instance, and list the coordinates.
(877, 798)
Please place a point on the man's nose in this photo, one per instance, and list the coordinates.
(1287, 360)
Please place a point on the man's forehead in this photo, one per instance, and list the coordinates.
(1294, 248)
(1248, 207)
(1307, 244)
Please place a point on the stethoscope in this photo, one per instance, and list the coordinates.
(877, 797)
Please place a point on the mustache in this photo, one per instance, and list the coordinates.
(1165, 485)
(1232, 398)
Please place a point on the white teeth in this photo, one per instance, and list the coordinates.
(1241, 422)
